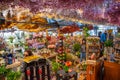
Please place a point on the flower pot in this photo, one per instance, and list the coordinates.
(108, 50)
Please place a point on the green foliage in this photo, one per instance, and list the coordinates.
(76, 47)
(13, 75)
(26, 47)
(84, 66)
(55, 66)
(85, 32)
(3, 70)
(108, 43)
(66, 68)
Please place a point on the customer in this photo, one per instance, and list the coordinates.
(99, 34)
(83, 50)
(106, 34)
(103, 37)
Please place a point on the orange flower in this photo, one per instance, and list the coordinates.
(68, 63)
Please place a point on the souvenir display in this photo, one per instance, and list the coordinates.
(92, 48)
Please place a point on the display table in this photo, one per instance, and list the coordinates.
(111, 71)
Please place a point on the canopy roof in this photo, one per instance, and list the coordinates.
(85, 11)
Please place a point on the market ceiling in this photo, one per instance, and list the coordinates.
(86, 11)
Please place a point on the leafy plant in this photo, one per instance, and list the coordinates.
(55, 66)
(3, 70)
(66, 68)
(108, 43)
(76, 47)
(12, 75)
(85, 32)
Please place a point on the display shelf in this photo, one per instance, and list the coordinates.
(92, 48)
(117, 49)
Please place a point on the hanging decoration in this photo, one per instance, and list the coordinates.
(104, 12)
(69, 29)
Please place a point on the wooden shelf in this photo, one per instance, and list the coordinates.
(117, 49)
(92, 47)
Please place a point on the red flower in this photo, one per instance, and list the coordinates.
(28, 72)
(39, 71)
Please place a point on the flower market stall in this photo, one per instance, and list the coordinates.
(59, 39)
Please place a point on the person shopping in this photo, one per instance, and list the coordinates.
(83, 50)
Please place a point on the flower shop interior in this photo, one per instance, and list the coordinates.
(59, 39)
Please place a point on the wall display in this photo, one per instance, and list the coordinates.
(92, 48)
(117, 49)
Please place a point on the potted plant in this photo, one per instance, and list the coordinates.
(108, 43)
(76, 48)
(108, 46)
